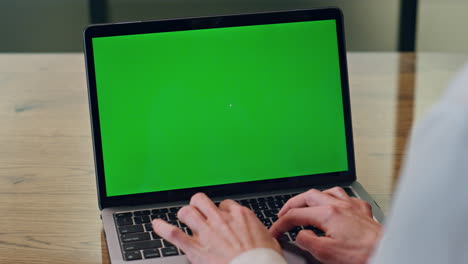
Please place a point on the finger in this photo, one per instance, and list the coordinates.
(205, 206)
(316, 216)
(363, 205)
(192, 218)
(239, 216)
(317, 246)
(338, 193)
(242, 218)
(228, 205)
(174, 235)
(312, 197)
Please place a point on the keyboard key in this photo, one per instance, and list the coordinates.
(160, 216)
(124, 221)
(188, 231)
(169, 251)
(122, 215)
(316, 230)
(293, 235)
(167, 243)
(274, 219)
(151, 253)
(160, 211)
(269, 213)
(296, 229)
(244, 202)
(181, 224)
(135, 237)
(172, 216)
(320, 233)
(149, 227)
(259, 206)
(155, 236)
(259, 215)
(283, 197)
(173, 222)
(132, 255)
(284, 238)
(266, 222)
(174, 209)
(131, 229)
(142, 245)
(140, 213)
(141, 219)
(275, 204)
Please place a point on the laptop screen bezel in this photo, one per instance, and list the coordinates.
(130, 28)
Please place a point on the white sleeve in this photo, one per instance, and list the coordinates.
(259, 256)
(429, 217)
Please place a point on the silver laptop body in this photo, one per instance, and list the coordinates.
(127, 203)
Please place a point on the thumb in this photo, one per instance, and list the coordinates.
(315, 245)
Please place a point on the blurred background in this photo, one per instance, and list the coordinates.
(371, 25)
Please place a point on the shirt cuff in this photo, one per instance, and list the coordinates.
(259, 256)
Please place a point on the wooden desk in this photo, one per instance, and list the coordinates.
(48, 198)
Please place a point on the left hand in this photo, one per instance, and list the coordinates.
(219, 234)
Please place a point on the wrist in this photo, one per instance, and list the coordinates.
(259, 256)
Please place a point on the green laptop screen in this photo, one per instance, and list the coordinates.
(216, 106)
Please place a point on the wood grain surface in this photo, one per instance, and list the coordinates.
(48, 203)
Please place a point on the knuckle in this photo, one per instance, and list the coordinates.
(361, 203)
(331, 210)
(337, 189)
(364, 203)
(183, 212)
(229, 202)
(238, 210)
(173, 233)
(312, 192)
(245, 211)
(367, 206)
(224, 203)
(197, 197)
(291, 213)
(347, 205)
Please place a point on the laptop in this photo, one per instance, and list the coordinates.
(251, 107)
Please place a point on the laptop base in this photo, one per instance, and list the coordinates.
(292, 253)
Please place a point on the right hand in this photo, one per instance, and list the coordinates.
(219, 234)
(351, 231)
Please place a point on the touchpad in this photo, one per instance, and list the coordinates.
(295, 255)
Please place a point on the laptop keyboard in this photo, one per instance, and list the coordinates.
(138, 241)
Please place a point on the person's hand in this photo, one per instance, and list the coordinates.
(351, 231)
(219, 234)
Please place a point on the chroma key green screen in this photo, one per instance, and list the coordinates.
(215, 106)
